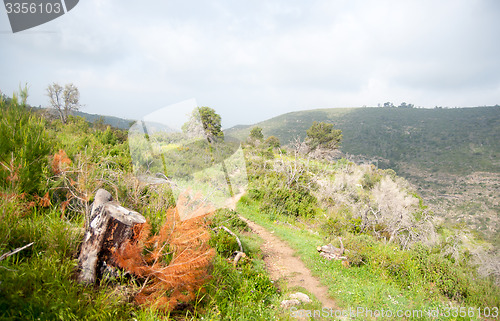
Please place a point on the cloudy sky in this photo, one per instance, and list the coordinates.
(252, 60)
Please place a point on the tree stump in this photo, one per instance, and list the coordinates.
(111, 225)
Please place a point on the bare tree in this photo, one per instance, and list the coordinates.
(64, 100)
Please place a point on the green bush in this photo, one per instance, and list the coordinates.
(289, 202)
(341, 222)
(333, 226)
(225, 243)
(24, 149)
(38, 283)
(278, 198)
(370, 179)
(421, 267)
(359, 248)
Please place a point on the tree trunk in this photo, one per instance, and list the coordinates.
(110, 226)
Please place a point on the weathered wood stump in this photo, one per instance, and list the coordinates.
(111, 225)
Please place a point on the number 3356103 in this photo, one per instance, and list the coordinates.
(30, 7)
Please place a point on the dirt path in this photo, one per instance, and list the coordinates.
(282, 264)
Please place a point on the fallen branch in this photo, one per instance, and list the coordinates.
(238, 256)
(19, 249)
(229, 231)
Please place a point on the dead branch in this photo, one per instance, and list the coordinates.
(229, 231)
(19, 249)
(238, 256)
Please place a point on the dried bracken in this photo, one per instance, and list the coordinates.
(60, 162)
(174, 264)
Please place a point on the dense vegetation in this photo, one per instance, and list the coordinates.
(50, 172)
(458, 140)
(451, 155)
(68, 166)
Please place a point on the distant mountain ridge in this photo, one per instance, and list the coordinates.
(426, 137)
(108, 120)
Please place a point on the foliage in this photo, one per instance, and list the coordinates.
(223, 242)
(277, 194)
(244, 293)
(273, 142)
(211, 123)
(228, 218)
(362, 199)
(256, 134)
(323, 135)
(24, 148)
(418, 277)
(454, 140)
(38, 283)
(435, 149)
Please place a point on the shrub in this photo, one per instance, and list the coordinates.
(24, 148)
(359, 248)
(276, 194)
(224, 243)
(294, 202)
(243, 293)
(370, 179)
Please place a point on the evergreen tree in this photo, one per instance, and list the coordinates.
(323, 135)
(256, 133)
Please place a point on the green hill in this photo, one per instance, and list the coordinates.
(108, 120)
(458, 141)
(451, 155)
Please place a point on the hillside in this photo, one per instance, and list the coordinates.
(451, 155)
(397, 256)
(116, 122)
(459, 141)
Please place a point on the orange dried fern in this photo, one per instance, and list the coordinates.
(174, 263)
(60, 162)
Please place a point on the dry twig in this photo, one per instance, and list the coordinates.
(19, 249)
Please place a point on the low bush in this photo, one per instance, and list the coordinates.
(274, 196)
(421, 268)
(24, 148)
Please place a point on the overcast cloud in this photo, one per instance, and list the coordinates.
(252, 60)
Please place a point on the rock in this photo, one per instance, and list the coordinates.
(331, 252)
(302, 297)
(289, 303)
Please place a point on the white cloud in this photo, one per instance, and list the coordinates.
(254, 60)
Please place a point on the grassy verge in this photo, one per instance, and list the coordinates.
(364, 287)
(38, 283)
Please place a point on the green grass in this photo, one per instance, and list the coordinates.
(364, 286)
(39, 283)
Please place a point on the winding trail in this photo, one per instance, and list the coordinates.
(282, 264)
